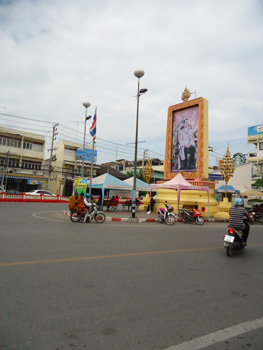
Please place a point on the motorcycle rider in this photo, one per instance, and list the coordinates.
(87, 202)
(237, 215)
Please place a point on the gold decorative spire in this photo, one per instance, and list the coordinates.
(227, 167)
(186, 94)
(148, 171)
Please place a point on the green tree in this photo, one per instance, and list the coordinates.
(259, 183)
(139, 174)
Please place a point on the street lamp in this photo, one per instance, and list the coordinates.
(86, 105)
(138, 74)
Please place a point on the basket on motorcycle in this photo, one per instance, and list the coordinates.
(171, 209)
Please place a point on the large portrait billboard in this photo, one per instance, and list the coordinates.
(187, 140)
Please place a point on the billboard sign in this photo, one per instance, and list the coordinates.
(186, 150)
(239, 158)
(215, 177)
(81, 184)
(87, 155)
(255, 130)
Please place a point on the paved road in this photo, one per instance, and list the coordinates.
(124, 286)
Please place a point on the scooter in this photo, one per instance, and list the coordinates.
(166, 214)
(233, 240)
(97, 215)
(258, 219)
(195, 216)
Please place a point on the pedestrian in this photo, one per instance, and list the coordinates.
(151, 205)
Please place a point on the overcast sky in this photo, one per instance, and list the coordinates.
(56, 54)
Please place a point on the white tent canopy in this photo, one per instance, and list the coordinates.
(140, 185)
(107, 181)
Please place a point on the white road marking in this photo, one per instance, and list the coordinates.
(49, 219)
(210, 339)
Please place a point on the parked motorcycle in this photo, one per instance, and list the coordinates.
(194, 216)
(233, 240)
(166, 214)
(97, 215)
(258, 219)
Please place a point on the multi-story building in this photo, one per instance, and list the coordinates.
(21, 160)
(66, 165)
(125, 166)
(255, 136)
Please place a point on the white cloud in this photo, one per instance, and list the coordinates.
(55, 55)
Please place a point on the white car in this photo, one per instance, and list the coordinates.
(39, 192)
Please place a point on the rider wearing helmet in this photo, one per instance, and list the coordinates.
(237, 215)
(87, 201)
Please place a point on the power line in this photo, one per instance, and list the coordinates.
(102, 145)
(25, 128)
(35, 120)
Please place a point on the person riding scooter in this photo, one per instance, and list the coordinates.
(87, 202)
(237, 215)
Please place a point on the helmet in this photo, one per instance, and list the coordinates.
(239, 201)
(87, 195)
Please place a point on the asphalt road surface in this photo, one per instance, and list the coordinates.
(125, 285)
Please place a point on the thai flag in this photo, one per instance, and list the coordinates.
(92, 129)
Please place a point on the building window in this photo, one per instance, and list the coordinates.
(5, 141)
(27, 145)
(260, 146)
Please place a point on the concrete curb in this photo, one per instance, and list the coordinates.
(115, 219)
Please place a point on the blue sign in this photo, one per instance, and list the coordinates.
(215, 177)
(255, 130)
(87, 155)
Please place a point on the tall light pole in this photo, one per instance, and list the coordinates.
(86, 105)
(138, 74)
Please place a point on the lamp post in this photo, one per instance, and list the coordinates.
(138, 74)
(86, 105)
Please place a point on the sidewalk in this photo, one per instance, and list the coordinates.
(141, 216)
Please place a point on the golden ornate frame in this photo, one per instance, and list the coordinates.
(202, 140)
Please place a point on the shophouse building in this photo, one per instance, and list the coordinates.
(21, 160)
(255, 137)
(66, 165)
(124, 166)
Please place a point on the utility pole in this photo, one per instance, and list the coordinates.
(54, 133)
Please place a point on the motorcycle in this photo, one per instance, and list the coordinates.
(233, 240)
(195, 216)
(97, 215)
(258, 219)
(166, 214)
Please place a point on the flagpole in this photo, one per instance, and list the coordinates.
(86, 105)
(92, 156)
(91, 168)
